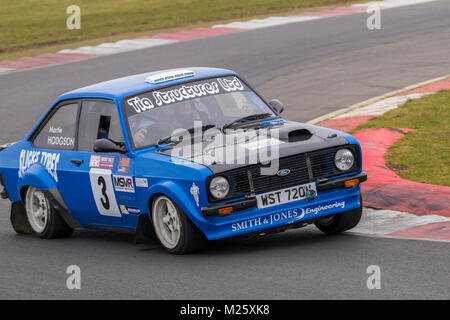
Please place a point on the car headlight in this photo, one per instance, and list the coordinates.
(344, 159)
(219, 187)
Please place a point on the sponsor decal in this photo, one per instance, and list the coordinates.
(124, 162)
(123, 169)
(49, 160)
(272, 122)
(129, 210)
(195, 191)
(105, 162)
(124, 165)
(317, 209)
(185, 92)
(230, 85)
(140, 104)
(123, 183)
(142, 182)
(289, 216)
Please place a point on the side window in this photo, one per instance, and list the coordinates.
(59, 131)
(99, 119)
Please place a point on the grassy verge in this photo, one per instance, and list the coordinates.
(28, 25)
(423, 155)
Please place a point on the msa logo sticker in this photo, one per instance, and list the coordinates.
(123, 184)
(104, 162)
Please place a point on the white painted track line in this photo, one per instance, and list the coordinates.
(119, 46)
(5, 70)
(381, 107)
(384, 222)
(264, 23)
(341, 112)
(391, 3)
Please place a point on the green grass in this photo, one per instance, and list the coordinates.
(423, 155)
(27, 24)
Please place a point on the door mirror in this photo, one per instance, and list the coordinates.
(107, 146)
(276, 105)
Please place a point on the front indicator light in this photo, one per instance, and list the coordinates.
(351, 183)
(225, 211)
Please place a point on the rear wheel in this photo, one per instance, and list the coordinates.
(177, 234)
(340, 222)
(42, 217)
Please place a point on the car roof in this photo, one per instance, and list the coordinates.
(122, 87)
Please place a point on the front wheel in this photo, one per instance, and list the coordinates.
(42, 217)
(177, 234)
(340, 222)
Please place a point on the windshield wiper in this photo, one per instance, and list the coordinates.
(255, 116)
(168, 139)
(164, 140)
(204, 128)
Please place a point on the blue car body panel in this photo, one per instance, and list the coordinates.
(23, 165)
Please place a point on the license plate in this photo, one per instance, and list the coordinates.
(286, 195)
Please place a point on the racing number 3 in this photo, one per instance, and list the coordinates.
(105, 201)
(103, 192)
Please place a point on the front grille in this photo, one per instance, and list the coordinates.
(303, 168)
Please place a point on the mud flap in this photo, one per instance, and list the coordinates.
(57, 202)
(144, 230)
(19, 218)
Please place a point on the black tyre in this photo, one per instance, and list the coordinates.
(340, 222)
(176, 233)
(42, 217)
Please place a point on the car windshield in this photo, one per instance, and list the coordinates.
(217, 102)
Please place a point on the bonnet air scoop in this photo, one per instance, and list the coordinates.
(294, 134)
(299, 135)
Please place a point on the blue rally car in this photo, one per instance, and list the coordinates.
(186, 155)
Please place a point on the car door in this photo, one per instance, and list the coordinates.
(108, 190)
(55, 143)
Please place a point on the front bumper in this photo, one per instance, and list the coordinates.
(252, 220)
(322, 185)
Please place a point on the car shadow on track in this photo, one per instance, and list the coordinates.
(297, 239)
(292, 239)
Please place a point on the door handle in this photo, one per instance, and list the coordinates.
(77, 161)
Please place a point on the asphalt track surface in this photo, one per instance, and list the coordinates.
(314, 67)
